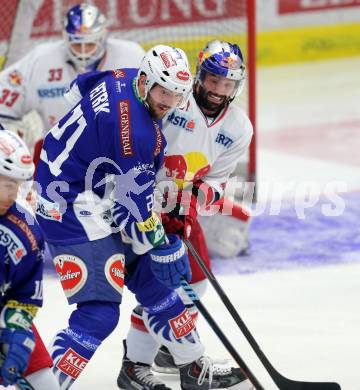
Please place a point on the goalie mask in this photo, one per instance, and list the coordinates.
(85, 34)
(167, 67)
(220, 75)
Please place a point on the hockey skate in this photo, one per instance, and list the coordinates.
(203, 374)
(138, 376)
(164, 362)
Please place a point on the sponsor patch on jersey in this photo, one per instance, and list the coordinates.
(16, 315)
(118, 73)
(72, 272)
(149, 225)
(183, 75)
(158, 139)
(144, 167)
(15, 78)
(182, 121)
(119, 86)
(114, 271)
(15, 248)
(167, 59)
(51, 93)
(182, 325)
(85, 213)
(71, 363)
(48, 210)
(25, 228)
(223, 139)
(125, 128)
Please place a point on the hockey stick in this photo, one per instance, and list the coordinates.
(209, 319)
(282, 382)
(21, 382)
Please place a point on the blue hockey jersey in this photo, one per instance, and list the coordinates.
(98, 164)
(21, 257)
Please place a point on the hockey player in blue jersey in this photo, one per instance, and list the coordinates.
(95, 192)
(21, 269)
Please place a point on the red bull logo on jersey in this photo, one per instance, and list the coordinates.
(114, 271)
(72, 363)
(181, 121)
(15, 248)
(189, 167)
(182, 325)
(15, 78)
(72, 272)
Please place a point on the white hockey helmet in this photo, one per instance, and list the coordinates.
(85, 24)
(15, 159)
(169, 67)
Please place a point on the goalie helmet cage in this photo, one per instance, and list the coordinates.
(188, 24)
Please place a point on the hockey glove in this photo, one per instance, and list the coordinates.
(17, 345)
(170, 262)
(181, 219)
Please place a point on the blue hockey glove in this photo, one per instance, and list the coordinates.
(17, 345)
(170, 262)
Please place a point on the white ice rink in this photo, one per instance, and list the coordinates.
(306, 319)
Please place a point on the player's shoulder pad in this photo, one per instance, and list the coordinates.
(237, 122)
(88, 81)
(49, 50)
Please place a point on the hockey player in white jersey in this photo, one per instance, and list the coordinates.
(39, 80)
(205, 141)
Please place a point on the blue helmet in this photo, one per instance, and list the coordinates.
(84, 25)
(223, 59)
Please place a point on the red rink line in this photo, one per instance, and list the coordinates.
(335, 142)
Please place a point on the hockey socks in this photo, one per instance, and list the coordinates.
(73, 347)
(71, 351)
(175, 328)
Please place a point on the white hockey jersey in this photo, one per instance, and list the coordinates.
(200, 149)
(39, 80)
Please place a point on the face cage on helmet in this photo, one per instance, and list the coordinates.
(84, 60)
(239, 84)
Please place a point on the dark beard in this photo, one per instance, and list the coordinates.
(152, 112)
(201, 98)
